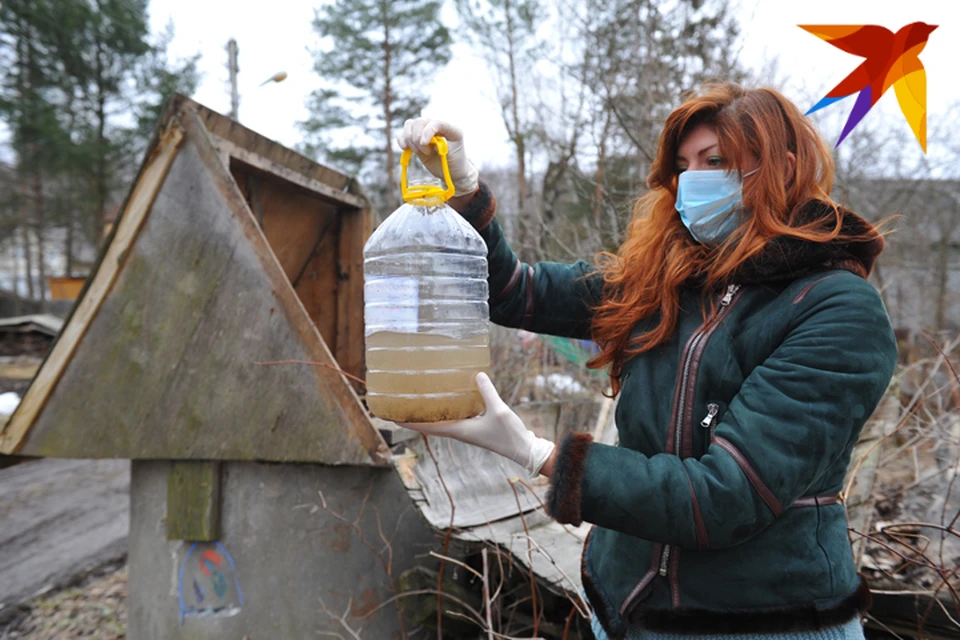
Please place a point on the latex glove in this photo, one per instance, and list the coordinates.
(499, 429)
(416, 137)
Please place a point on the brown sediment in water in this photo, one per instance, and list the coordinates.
(424, 377)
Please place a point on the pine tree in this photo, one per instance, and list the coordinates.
(375, 61)
(75, 71)
(38, 139)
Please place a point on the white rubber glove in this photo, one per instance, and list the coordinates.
(499, 430)
(416, 137)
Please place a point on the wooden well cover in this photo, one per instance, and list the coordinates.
(230, 252)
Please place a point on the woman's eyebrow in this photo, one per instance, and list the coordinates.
(699, 153)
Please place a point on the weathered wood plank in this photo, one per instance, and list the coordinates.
(254, 161)
(193, 501)
(292, 222)
(355, 229)
(138, 206)
(316, 286)
(478, 480)
(224, 127)
(169, 368)
(552, 549)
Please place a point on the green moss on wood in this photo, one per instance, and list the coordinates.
(193, 501)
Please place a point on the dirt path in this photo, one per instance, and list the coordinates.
(59, 519)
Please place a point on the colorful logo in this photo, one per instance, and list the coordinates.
(891, 60)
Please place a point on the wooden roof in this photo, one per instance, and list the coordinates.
(230, 251)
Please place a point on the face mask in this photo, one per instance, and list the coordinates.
(709, 203)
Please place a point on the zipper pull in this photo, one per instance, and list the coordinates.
(712, 411)
(728, 296)
(664, 561)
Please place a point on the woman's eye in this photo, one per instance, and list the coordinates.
(681, 170)
(715, 161)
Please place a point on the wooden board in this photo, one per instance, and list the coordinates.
(193, 501)
(138, 206)
(552, 549)
(234, 155)
(292, 221)
(355, 229)
(316, 286)
(243, 138)
(478, 480)
(168, 367)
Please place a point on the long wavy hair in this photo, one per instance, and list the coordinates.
(643, 279)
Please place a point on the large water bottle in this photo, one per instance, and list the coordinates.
(425, 307)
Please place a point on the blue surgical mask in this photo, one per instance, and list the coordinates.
(709, 203)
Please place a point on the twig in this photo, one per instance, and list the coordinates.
(881, 440)
(493, 634)
(446, 538)
(314, 364)
(386, 542)
(566, 627)
(886, 628)
(585, 609)
(341, 619)
(458, 563)
(355, 525)
(533, 579)
(486, 594)
(953, 480)
(566, 527)
(425, 592)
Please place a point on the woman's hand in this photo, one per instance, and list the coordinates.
(499, 429)
(416, 137)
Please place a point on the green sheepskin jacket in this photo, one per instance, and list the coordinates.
(718, 510)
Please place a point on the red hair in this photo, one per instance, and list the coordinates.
(644, 277)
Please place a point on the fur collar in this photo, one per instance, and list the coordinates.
(786, 258)
(789, 258)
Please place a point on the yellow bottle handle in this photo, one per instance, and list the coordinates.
(426, 193)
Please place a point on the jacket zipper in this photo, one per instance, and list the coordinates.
(701, 334)
(707, 422)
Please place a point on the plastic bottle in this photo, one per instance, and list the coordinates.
(427, 321)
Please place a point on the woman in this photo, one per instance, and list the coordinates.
(748, 350)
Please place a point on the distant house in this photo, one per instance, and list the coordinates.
(28, 335)
(13, 261)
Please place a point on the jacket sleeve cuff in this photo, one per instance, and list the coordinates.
(481, 209)
(565, 495)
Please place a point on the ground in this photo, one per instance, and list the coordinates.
(96, 608)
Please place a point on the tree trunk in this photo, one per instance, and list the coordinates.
(598, 177)
(40, 229)
(529, 236)
(388, 109)
(101, 162)
(23, 96)
(27, 259)
(39, 218)
(15, 280)
(68, 248)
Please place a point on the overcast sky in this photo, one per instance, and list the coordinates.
(277, 35)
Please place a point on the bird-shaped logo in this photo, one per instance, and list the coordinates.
(891, 59)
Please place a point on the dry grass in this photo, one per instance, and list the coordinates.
(96, 609)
